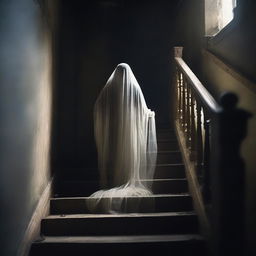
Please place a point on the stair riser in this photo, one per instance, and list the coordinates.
(169, 172)
(175, 171)
(80, 173)
(179, 248)
(75, 188)
(169, 158)
(87, 188)
(165, 135)
(160, 204)
(167, 145)
(119, 226)
(170, 186)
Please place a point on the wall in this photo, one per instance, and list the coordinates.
(25, 116)
(235, 45)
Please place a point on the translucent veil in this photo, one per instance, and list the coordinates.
(125, 136)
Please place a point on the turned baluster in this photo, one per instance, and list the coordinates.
(178, 54)
(199, 143)
(188, 111)
(183, 105)
(206, 161)
(180, 97)
(193, 128)
(176, 95)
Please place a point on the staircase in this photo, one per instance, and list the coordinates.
(171, 227)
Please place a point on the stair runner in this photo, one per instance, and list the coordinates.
(171, 227)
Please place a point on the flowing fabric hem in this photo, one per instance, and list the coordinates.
(115, 200)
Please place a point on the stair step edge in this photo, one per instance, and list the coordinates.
(153, 196)
(168, 151)
(121, 215)
(94, 181)
(122, 239)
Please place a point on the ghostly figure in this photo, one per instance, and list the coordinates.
(125, 136)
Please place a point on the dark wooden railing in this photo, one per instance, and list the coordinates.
(210, 135)
(194, 113)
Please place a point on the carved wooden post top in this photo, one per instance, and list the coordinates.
(228, 100)
(178, 51)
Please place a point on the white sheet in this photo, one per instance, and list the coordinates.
(125, 136)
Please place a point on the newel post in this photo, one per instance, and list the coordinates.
(178, 51)
(229, 178)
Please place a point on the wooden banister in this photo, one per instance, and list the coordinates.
(197, 86)
(210, 135)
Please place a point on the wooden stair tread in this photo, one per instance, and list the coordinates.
(122, 215)
(153, 196)
(122, 239)
(141, 204)
(168, 151)
(120, 224)
(171, 179)
(170, 165)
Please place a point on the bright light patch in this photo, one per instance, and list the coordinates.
(226, 12)
(218, 13)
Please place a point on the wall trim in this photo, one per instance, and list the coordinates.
(230, 70)
(194, 187)
(33, 229)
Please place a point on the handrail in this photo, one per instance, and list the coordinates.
(210, 136)
(203, 93)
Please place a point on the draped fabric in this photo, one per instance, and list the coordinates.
(125, 137)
